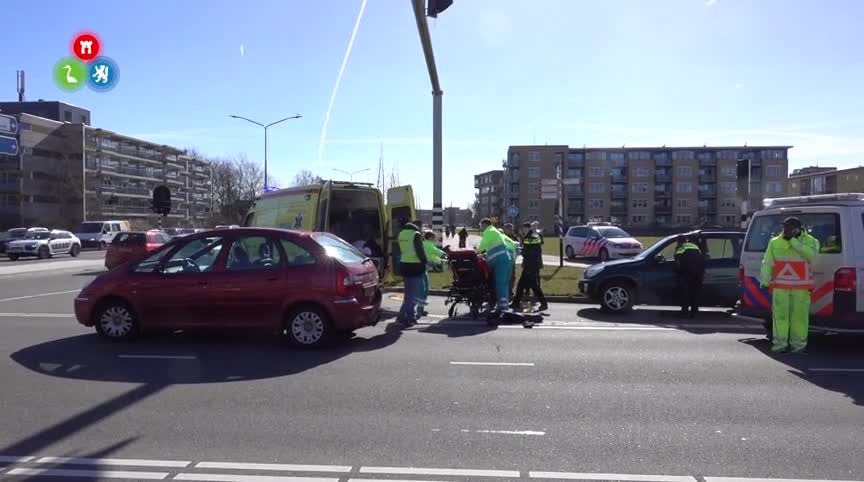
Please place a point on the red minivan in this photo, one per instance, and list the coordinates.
(309, 285)
(130, 245)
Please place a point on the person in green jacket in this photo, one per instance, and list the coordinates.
(434, 260)
(499, 259)
(787, 268)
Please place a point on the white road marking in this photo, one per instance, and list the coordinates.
(14, 459)
(452, 472)
(133, 462)
(594, 328)
(250, 478)
(837, 370)
(393, 480)
(160, 357)
(95, 474)
(761, 479)
(493, 364)
(37, 315)
(285, 467)
(506, 432)
(40, 295)
(623, 477)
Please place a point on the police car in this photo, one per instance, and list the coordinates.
(837, 221)
(600, 240)
(44, 244)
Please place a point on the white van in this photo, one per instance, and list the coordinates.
(99, 234)
(837, 221)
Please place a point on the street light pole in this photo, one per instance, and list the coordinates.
(351, 174)
(267, 126)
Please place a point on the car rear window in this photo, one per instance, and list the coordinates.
(825, 227)
(339, 249)
(128, 238)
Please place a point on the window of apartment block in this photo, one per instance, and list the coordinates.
(534, 155)
(773, 154)
(638, 156)
(728, 220)
(640, 187)
(596, 156)
(727, 155)
(595, 203)
(685, 171)
(774, 171)
(774, 187)
(681, 203)
(641, 171)
(616, 156)
(685, 187)
(596, 172)
(595, 187)
(575, 156)
(728, 187)
(682, 156)
(639, 203)
(638, 219)
(683, 219)
(559, 157)
(533, 172)
(532, 187)
(574, 173)
(514, 156)
(728, 171)
(533, 204)
(727, 203)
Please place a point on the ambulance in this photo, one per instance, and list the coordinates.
(837, 221)
(356, 212)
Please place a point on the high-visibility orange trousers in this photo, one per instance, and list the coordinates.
(790, 310)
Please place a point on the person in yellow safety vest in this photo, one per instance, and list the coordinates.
(499, 259)
(412, 266)
(787, 269)
(434, 258)
(690, 266)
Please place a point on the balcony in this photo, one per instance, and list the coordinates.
(662, 208)
(510, 164)
(664, 162)
(707, 211)
(130, 171)
(619, 178)
(662, 176)
(708, 178)
(707, 193)
(707, 162)
(476, 183)
(575, 192)
(616, 210)
(619, 194)
(662, 193)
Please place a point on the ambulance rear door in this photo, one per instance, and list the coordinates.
(400, 207)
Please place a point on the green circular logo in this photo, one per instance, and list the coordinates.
(70, 74)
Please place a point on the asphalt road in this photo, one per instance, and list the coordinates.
(580, 396)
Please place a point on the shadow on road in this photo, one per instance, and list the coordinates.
(197, 359)
(705, 322)
(827, 356)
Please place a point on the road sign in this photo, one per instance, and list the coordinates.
(8, 146)
(513, 211)
(8, 125)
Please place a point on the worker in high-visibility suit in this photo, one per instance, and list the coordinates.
(787, 269)
(434, 259)
(412, 266)
(499, 259)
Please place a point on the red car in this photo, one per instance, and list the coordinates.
(309, 285)
(131, 245)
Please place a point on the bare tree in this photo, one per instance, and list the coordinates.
(305, 178)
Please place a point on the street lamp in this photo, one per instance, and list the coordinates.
(351, 174)
(297, 116)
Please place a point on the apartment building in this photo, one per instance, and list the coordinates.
(490, 194)
(66, 173)
(825, 180)
(651, 186)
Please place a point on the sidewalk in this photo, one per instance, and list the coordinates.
(548, 260)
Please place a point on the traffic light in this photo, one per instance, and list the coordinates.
(434, 7)
(161, 203)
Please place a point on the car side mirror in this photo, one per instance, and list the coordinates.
(659, 258)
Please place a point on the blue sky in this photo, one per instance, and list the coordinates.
(600, 73)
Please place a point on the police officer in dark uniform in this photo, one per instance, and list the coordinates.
(690, 266)
(532, 263)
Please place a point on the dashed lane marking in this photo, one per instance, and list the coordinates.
(621, 477)
(445, 472)
(283, 467)
(745, 479)
(109, 462)
(39, 295)
(493, 364)
(94, 474)
(505, 432)
(250, 478)
(37, 315)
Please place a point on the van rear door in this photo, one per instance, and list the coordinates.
(400, 207)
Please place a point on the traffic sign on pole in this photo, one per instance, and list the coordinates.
(8, 146)
(8, 125)
(513, 211)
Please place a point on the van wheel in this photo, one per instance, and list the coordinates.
(308, 326)
(43, 252)
(569, 252)
(617, 297)
(75, 250)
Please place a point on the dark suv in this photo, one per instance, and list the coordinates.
(650, 277)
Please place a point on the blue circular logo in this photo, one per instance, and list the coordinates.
(103, 74)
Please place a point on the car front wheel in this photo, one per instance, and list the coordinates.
(75, 250)
(308, 326)
(13, 257)
(617, 297)
(604, 255)
(569, 252)
(115, 320)
(43, 252)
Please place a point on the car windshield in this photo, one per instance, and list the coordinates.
(90, 228)
(336, 248)
(612, 233)
(655, 248)
(38, 235)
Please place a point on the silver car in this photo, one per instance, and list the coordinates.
(44, 244)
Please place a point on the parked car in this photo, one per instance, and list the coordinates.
(130, 245)
(837, 221)
(14, 234)
(44, 244)
(99, 234)
(310, 285)
(650, 277)
(600, 241)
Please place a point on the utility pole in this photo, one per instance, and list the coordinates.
(560, 220)
(435, 7)
(267, 126)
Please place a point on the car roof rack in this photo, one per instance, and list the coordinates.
(815, 199)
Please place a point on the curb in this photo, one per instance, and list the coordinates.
(549, 298)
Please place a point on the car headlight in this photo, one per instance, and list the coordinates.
(594, 270)
(31, 246)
